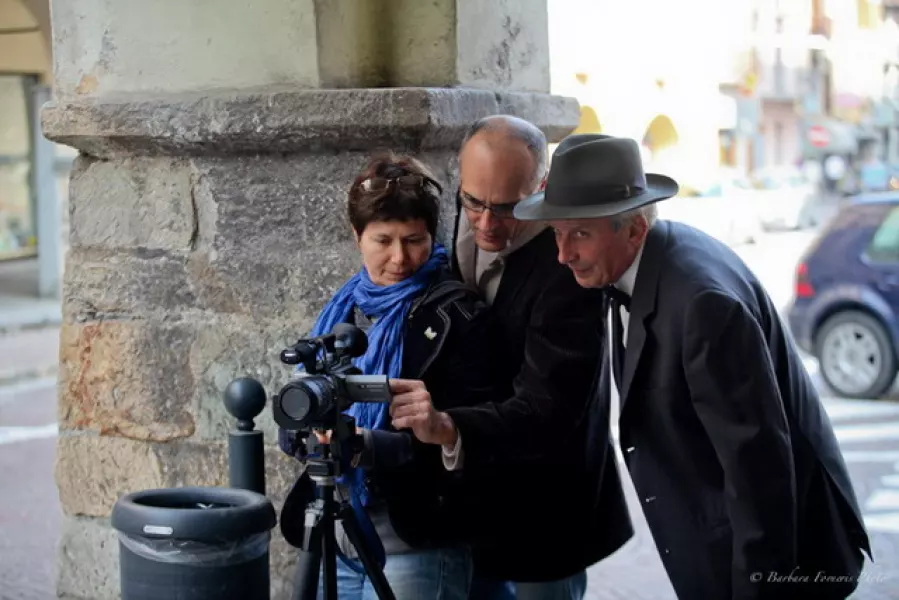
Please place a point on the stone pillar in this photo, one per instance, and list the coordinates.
(207, 210)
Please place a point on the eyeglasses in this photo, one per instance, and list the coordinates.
(380, 184)
(503, 211)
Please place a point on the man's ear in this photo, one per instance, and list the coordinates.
(639, 228)
(636, 229)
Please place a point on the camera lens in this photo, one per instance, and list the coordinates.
(297, 403)
(304, 402)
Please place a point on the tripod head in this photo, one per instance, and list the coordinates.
(325, 459)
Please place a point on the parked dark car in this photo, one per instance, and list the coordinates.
(845, 309)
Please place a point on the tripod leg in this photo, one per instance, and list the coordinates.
(329, 544)
(309, 557)
(378, 579)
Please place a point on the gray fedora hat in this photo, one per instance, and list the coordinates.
(592, 176)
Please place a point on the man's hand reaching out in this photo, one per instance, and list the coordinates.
(411, 408)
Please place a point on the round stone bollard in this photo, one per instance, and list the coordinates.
(194, 543)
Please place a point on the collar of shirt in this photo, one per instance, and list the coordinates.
(629, 280)
(524, 235)
(473, 261)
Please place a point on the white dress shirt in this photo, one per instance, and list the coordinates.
(626, 284)
(483, 270)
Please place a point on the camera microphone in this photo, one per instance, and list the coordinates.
(350, 339)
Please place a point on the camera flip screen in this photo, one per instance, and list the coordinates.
(368, 388)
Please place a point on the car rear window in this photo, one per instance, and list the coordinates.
(884, 245)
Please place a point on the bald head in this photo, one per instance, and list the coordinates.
(502, 161)
(510, 135)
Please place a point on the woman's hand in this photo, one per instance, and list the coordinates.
(324, 436)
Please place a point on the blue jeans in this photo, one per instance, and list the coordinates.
(439, 574)
(571, 588)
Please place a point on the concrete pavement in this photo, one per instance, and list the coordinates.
(29, 325)
(20, 305)
(29, 354)
(30, 515)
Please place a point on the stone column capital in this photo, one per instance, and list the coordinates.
(277, 120)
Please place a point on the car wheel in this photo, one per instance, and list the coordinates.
(856, 356)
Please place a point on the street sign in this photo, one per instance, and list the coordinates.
(818, 136)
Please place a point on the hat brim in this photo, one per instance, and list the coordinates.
(535, 208)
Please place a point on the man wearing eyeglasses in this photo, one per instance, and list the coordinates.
(542, 517)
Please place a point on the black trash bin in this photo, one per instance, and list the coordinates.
(194, 543)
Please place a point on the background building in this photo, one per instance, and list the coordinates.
(33, 171)
(748, 87)
(638, 77)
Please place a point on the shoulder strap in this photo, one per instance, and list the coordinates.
(446, 291)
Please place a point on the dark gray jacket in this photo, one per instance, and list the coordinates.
(542, 511)
(731, 452)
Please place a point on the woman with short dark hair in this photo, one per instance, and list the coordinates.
(421, 324)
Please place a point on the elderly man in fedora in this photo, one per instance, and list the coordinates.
(732, 455)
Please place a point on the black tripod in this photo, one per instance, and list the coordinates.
(319, 546)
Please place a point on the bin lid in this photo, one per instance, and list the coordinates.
(203, 514)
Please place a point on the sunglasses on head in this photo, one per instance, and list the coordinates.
(468, 201)
(380, 184)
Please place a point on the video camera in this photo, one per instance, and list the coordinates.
(331, 382)
(315, 398)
